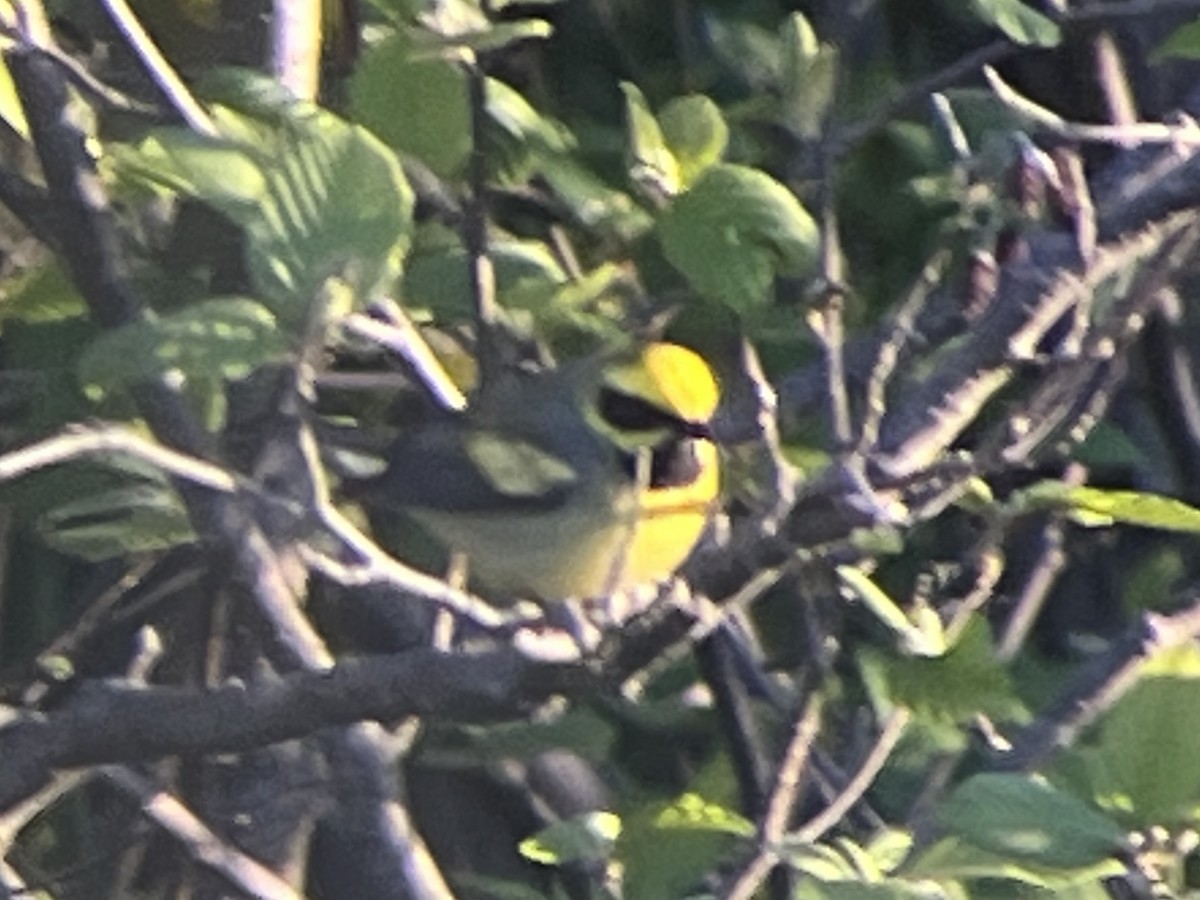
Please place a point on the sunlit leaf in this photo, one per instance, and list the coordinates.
(693, 813)
(651, 162)
(11, 112)
(1096, 507)
(923, 638)
(318, 198)
(733, 231)
(589, 836)
(221, 338)
(696, 134)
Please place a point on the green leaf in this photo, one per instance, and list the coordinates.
(808, 77)
(851, 890)
(1023, 818)
(955, 859)
(587, 837)
(843, 860)
(118, 522)
(222, 338)
(437, 275)
(41, 294)
(581, 731)
(1097, 507)
(519, 140)
(418, 106)
(733, 231)
(966, 681)
(652, 165)
(662, 862)
(1019, 22)
(695, 133)
(1147, 751)
(223, 173)
(494, 36)
(691, 812)
(746, 48)
(317, 197)
(1182, 43)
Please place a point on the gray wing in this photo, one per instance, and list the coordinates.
(451, 469)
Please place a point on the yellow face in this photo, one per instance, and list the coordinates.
(665, 378)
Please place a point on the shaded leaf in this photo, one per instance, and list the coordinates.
(955, 859)
(117, 522)
(437, 276)
(1019, 22)
(1148, 764)
(1024, 818)
(808, 77)
(418, 106)
(1182, 43)
(850, 890)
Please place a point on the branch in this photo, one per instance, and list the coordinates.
(103, 722)
(1097, 689)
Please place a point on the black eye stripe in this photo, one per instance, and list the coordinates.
(629, 413)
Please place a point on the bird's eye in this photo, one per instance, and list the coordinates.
(628, 413)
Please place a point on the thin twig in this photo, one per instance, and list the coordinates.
(77, 443)
(1099, 13)
(893, 730)
(1047, 566)
(780, 803)
(1099, 687)
(481, 273)
(916, 93)
(900, 335)
(1187, 134)
(201, 843)
(376, 567)
(400, 336)
(158, 68)
(296, 46)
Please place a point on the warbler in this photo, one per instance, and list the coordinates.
(578, 481)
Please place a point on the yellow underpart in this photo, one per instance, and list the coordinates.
(669, 523)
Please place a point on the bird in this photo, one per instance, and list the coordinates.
(577, 481)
